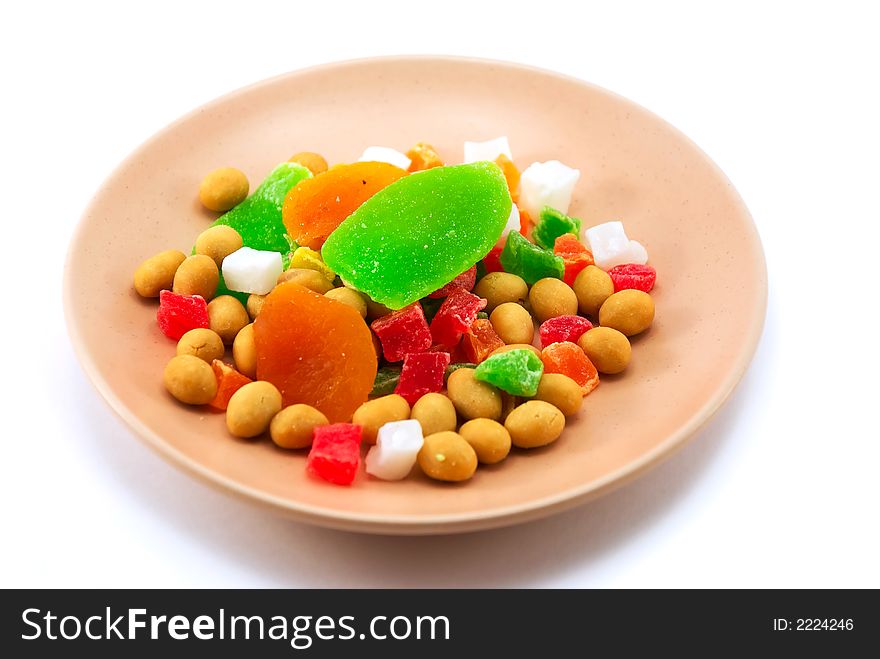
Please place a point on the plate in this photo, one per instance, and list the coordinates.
(710, 295)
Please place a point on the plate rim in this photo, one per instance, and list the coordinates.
(416, 524)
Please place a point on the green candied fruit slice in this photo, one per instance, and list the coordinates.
(452, 368)
(516, 371)
(520, 257)
(386, 381)
(417, 234)
(551, 225)
(258, 218)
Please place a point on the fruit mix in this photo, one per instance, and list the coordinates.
(393, 302)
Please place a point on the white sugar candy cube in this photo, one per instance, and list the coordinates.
(252, 270)
(512, 221)
(611, 246)
(385, 154)
(547, 184)
(488, 150)
(397, 445)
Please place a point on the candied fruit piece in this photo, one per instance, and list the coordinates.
(386, 380)
(402, 332)
(452, 368)
(305, 257)
(551, 225)
(465, 280)
(547, 184)
(397, 445)
(563, 328)
(492, 260)
(511, 174)
(422, 374)
(228, 382)
(525, 224)
(575, 256)
(258, 218)
(335, 453)
(423, 156)
(611, 246)
(455, 316)
(249, 270)
(568, 359)
(529, 261)
(178, 314)
(316, 350)
(417, 234)
(515, 371)
(480, 340)
(488, 150)
(633, 275)
(385, 154)
(314, 208)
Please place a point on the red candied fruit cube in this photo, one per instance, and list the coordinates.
(574, 255)
(479, 341)
(228, 382)
(563, 328)
(633, 275)
(178, 314)
(492, 260)
(402, 332)
(455, 316)
(422, 374)
(465, 280)
(336, 452)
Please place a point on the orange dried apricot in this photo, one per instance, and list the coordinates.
(316, 206)
(317, 351)
(423, 156)
(568, 359)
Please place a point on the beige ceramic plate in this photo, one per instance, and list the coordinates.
(711, 294)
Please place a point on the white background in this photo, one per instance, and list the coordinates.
(780, 489)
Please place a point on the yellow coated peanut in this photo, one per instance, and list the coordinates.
(311, 279)
(592, 287)
(501, 287)
(435, 413)
(629, 311)
(197, 275)
(227, 316)
(293, 426)
(473, 399)
(350, 297)
(608, 349)
(244, 352)
(157, 273)
(512, 323)
(560, 391)
(255, 305)
(550, 298)
(375, 413)
(252, 408)
(190, 380)
(534, 423)
(489, 439)
(218, 242)
(223, 188)
(203, 343)
(446, 456)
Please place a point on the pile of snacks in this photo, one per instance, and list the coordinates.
(440, 314)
